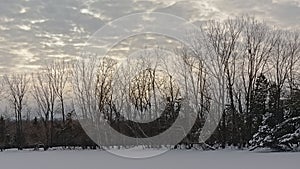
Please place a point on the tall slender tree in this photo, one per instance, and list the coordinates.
(18, 85)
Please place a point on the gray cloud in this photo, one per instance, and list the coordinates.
(283, 13)
(34, 32)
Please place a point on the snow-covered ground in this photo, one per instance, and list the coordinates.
(181, 159)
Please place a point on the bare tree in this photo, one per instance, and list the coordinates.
(2, 88)
(18, 86)
(196, 88)
(83, 77)
(282, 62)
(293, 45)
(257, 44)
(59, 72)
(223, 41)
(44, 95)
(92, 81)
(104, 79)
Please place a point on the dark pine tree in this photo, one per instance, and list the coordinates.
(2, 133)
(272, 132)
(258, 104)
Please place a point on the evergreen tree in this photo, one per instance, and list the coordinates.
(280, 129)
(2, 132)
(258, 103)
(266, 135)
(290, 129)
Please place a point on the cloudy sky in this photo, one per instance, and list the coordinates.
(34, 32)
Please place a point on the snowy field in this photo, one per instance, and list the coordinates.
(176, 159)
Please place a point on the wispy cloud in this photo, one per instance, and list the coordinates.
(33, 32)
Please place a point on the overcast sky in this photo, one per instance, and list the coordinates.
(33, 32)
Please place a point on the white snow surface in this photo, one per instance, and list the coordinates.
(174, 159)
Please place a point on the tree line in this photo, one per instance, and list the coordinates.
(240, 75)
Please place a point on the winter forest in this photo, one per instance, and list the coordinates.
(241, 74)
